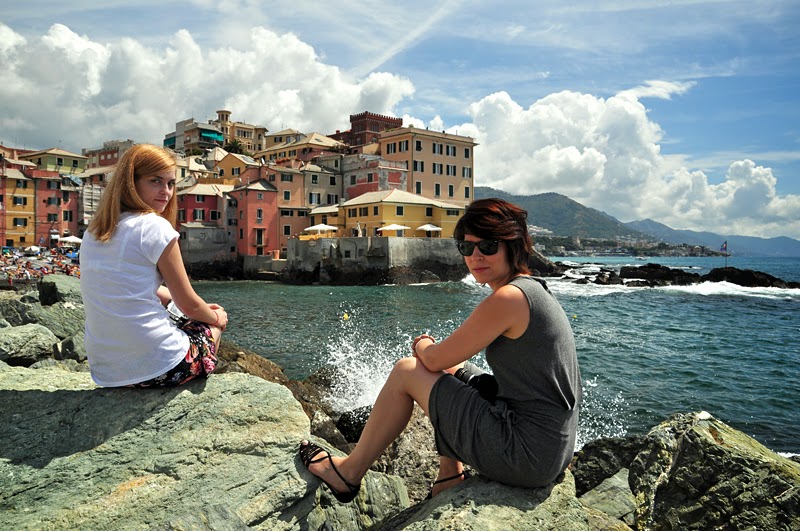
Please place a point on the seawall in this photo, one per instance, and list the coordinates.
(372, 260)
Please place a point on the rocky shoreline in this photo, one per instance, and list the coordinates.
(221, 454)
(654, 275)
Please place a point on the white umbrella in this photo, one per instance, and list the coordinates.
(320, 228)
(393, 226)
(429, 227)
(71, 239)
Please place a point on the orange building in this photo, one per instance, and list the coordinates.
(440, 165)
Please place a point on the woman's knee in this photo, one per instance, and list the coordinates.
(408, 365)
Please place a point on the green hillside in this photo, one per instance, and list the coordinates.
(562, 215)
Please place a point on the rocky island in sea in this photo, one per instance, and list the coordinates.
(222, 454)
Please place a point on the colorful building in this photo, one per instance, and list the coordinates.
(58, 160)
(321, 186)
(423, 217)
(300, 147)
(39, 206)
(365, 129)
(252, 137)
(107, 155)
(293, 210)
(253, 207)
(193, 138)
(440, 165)
(364, 173)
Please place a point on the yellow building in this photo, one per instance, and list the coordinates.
(55, 159)
(369, 213)
(20, 220)
(232, 166)
(440, 165)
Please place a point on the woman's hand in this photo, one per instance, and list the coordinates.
(221, 315)
(418, 339)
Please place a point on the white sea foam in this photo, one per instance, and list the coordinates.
(728, 289)
(602, 415)
(567, 286)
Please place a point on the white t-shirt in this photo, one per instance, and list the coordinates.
(129, 336)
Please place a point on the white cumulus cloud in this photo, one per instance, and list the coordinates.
(68, 90)
(64, 89)
(605, 153)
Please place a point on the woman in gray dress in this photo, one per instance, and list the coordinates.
(518, 426)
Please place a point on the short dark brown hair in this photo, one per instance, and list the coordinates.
(497, 219)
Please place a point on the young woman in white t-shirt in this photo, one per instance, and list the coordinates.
(131, 269)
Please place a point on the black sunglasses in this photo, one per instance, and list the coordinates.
(486, 247)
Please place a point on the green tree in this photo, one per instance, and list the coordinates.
(236, 146)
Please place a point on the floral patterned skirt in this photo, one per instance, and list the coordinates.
(200, 359)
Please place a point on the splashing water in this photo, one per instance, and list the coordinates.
(601, 415)
(362, 362)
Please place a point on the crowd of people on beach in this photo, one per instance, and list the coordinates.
(19, 268)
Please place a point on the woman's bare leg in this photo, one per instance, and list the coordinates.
(408, 382)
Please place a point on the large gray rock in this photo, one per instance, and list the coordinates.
(481, 504)
(25, 345)
(695, 472)
(14, 310)
(613, 497)
(59, 288)
(63, 318)
(219, 453)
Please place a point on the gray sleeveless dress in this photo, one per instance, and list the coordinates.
(527, 437)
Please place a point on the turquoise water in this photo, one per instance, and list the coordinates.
(644, 353)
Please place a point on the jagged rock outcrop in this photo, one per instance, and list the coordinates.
(219, 453)
(747, 277)
(658, 275)
(696, 472)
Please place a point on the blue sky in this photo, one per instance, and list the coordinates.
(685, 112)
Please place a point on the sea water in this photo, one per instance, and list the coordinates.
(645, 353)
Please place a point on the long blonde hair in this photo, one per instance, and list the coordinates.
(120, 195)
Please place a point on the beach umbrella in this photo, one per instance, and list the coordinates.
(393, 226)
(320, 228)
(70, 239)
(429, 227)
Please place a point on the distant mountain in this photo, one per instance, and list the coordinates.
(738, 245)
(566, 217)
(562, 215)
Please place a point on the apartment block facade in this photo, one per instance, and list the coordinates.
(440, 165)
(107, 155)
(252, 137)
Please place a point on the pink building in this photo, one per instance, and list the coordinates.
(202, 203)
(254, 210)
